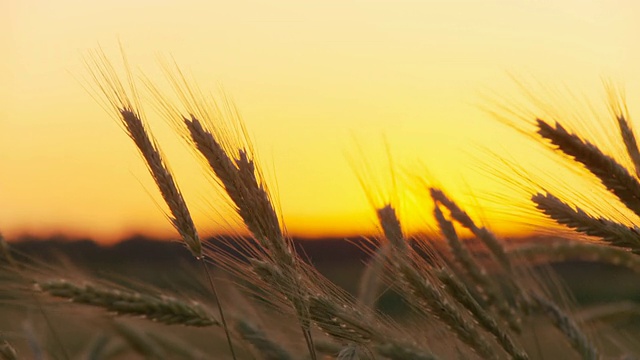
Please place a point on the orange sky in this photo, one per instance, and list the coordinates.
(307, 76)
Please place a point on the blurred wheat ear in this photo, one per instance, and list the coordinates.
(7, 352)
(163, 309)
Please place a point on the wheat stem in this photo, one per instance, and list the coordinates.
(219, 306)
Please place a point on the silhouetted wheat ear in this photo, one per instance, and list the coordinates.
(609, 231)
(426, 297)
(371, 281)
(620, 111)
(613, 176)
(163, 309)
(391, 227)
(424, 292)
(529, 299)
(181, 219)
(488, 289)
(459, 291)
(630, 143)
(125, 103)
(237, 174)
(491, 242)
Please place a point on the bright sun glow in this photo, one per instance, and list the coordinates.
(313, 80)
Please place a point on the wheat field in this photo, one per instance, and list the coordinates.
(258, 297)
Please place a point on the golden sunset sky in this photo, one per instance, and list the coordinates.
(313, 81)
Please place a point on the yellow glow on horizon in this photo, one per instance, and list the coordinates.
(308, 78)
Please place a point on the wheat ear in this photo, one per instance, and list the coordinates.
(424, 292)
(567, 326)
(491, 242)
(106, 79)
(460, 292)
(346, 324)
(163, 309)
(181, 218)
(610, 231)
(486, 286)
(7, 352)
(621, 113)
(629, 139)
(5, 252)
(577, 250)
(613, 176)
(238, 177)
(371, 281)
(253, 204)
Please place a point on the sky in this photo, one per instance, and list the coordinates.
(323, 87)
